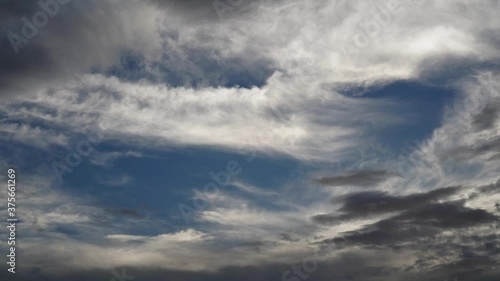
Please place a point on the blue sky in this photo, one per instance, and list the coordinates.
(258, 140)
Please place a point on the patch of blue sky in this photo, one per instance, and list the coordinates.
(420, 107)
(163, 179)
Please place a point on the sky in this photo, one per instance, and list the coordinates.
(251, 140)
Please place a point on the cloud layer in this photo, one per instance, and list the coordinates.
(291, 80)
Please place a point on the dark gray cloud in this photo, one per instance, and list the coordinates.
(423, 225)
(345, 268)
(41, 44)
(487, 117)
(428, 220)
(85, 36)
(381, 202)
(462, 253)
(486, 190)
(364, 204)
(125, 212)
(479, 149)
(356, 178)
(447, 215)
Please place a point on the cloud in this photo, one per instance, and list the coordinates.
(370, 203)
(422, 222)
(436, 229)
(32, 136)
(201, 11)
(181, 236)
(211, 114)
(118, 180)
(126, 212)
(271, 31)
(253, 190)
(356, 178)
(77, 36)
(349, 267)
(107, 158)
(281, 61)
(488, 116)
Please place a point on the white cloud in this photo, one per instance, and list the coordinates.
(320, 125)
(30, 135)
(181, 236)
